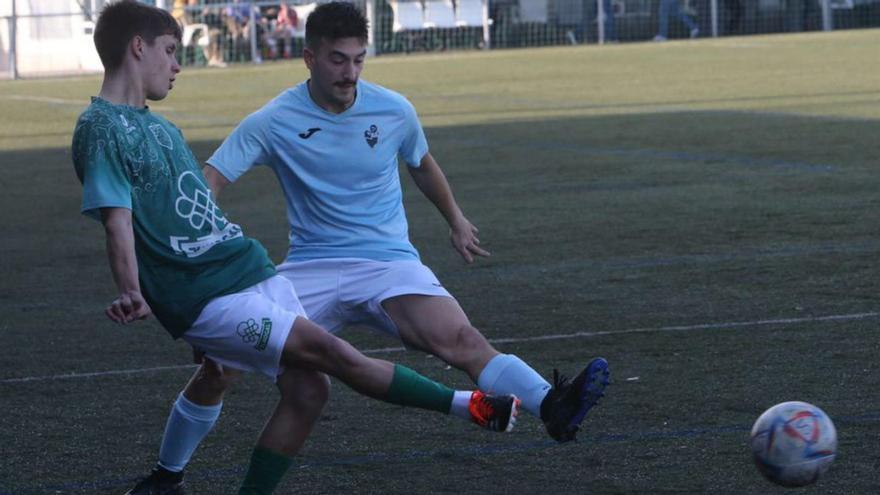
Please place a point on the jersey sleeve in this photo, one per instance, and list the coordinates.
(247, 146)
(100, 167)
(414, 145)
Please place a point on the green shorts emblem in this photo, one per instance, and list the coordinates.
(264, 335)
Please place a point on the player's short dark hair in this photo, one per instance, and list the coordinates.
(333, 21)
(121, 21)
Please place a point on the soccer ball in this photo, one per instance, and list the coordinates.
(793, 443)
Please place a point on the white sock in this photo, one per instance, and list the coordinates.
(507, 374)
(187, 425)
(460, 404)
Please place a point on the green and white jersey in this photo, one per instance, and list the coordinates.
(187, 251)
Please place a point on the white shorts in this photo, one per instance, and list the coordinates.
(349, 291)
(247, 330)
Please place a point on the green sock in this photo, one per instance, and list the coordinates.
(411, 389)
(264, 472)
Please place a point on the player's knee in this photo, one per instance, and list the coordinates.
(312, 347)
(315, 390)
(467, 340)
(342, 356)
(207, 387)
(468, 350)
(226, 380)
(306, 390)
(218, 384)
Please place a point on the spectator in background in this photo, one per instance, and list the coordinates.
(735, 10)
(282, 29)
(504, 14)
(571, 16)
(237, 18)
(802, 15)
(177, 11)
(187, 13)
(577, 16)
(671, 8)
(607, 19)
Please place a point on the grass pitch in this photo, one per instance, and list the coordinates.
(703, 214)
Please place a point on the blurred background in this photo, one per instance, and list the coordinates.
(52, 37)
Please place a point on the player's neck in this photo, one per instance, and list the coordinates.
(121, 88)
(326, 103)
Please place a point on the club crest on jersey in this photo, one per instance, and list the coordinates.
(372, 135)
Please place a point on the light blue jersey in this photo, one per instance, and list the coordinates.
(338, 171)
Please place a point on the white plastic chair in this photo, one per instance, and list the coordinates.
(469, 13)
(533, 11)
(190, 30)
(408, 16)
(439, 14)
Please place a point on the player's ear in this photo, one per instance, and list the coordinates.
(136, 47)
(308, 57)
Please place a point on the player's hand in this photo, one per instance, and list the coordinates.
(198, 355)
(464, 239)
(128, 307)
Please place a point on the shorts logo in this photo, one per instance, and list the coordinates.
(251, 333)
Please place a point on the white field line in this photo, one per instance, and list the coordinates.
(61, 101)
(512, 340)
(46, 99)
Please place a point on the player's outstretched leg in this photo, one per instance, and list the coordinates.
(309, 346)
(566, 404)
(439, 326)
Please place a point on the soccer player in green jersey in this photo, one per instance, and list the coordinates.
(174, 254)
(334, 142)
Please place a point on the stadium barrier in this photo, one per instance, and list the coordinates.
(47, 37)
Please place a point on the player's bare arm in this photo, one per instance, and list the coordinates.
(130, 305)
(433, 184)
(216, 180)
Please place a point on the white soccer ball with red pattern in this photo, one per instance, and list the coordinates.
(793, 443)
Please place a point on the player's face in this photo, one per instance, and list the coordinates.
(335, 67)
(160, 67)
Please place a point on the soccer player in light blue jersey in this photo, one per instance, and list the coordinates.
(333, 141)
(175, 255)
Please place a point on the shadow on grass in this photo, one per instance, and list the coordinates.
(600, 222)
